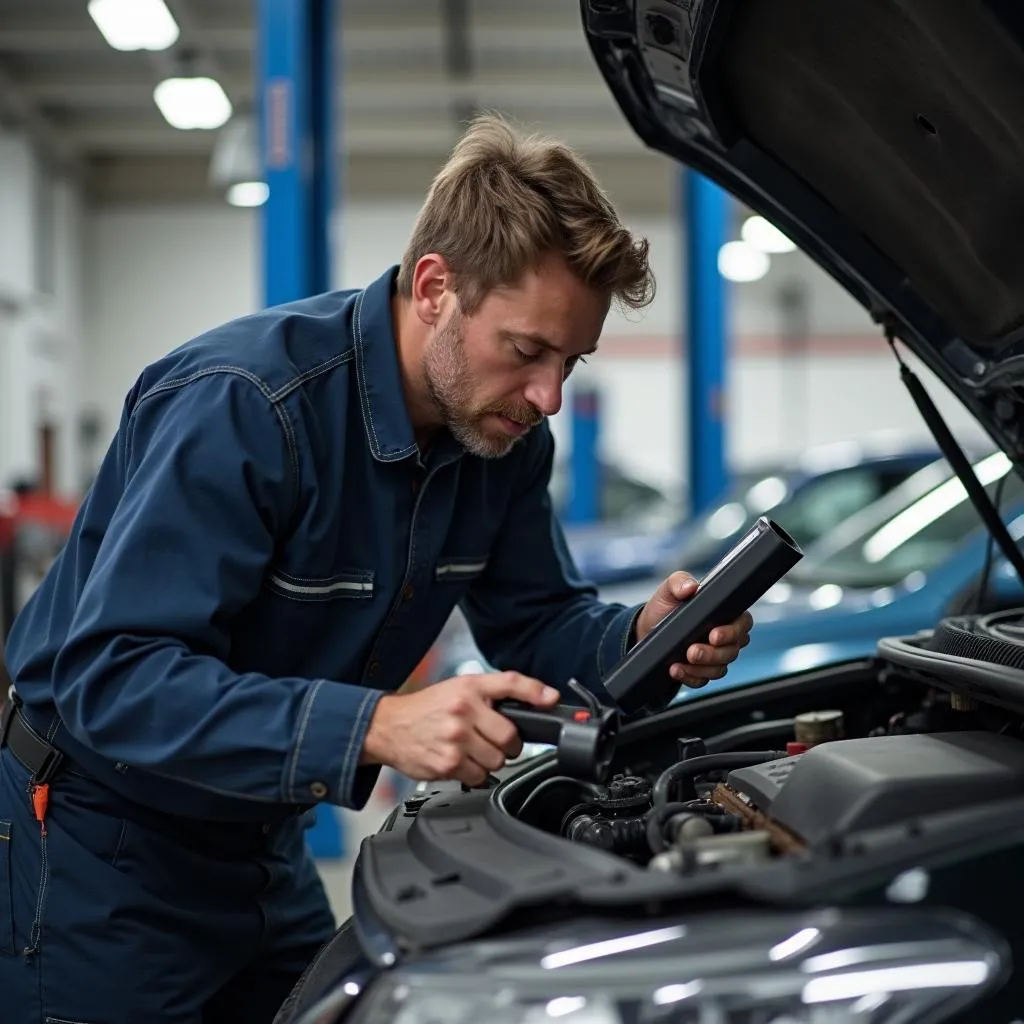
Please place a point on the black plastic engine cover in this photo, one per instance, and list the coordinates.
(843, 787)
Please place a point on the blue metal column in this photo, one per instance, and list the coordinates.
(706, 214)
(584, 505)
(297, 138)
(296, 86)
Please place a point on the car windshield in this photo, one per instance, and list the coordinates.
(807, 509)
(913, 537)
(751, 495)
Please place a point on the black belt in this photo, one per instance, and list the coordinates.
(44, 762)
(34, 752)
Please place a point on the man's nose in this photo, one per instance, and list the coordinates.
(544, 393)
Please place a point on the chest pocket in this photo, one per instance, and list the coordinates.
(347, 584)
(459, 568)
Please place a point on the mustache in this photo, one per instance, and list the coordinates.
(525, 414)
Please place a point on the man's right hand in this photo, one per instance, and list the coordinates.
(450, 730)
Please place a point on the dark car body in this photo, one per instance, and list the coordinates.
(859, 861)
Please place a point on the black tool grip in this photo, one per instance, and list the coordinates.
(584, 737)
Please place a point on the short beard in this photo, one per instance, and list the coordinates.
(450, 385)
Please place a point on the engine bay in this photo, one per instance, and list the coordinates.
(934, 727)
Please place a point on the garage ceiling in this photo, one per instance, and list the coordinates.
(411, 72)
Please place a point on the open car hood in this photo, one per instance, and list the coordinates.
(885, 137)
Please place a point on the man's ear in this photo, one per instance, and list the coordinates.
(432, 280)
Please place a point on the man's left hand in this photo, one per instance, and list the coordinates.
(704, 662)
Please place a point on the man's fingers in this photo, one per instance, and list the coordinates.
(702, 672)
(483, 753)
(512, 685)
(500, 732)
(701, 654)
(681, 585)
(732, 633)
(467, 761)
(693, 683)
(696, 677)
(471, 774)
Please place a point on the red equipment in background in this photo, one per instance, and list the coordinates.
(33, 528)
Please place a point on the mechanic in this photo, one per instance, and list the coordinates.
(292, 505)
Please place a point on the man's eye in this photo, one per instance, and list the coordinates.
(572, 362)
(526, 357)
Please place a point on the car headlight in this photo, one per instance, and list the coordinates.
(839, 967)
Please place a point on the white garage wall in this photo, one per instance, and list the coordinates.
(839, 399)
(157, 276)
(40, 316)
(18, 234)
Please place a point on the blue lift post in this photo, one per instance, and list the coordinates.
(706, 214)
(296, 89)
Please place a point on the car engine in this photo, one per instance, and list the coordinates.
(956, 743)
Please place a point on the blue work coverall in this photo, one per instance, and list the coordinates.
(263, 554)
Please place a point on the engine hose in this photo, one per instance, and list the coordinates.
(629, 834)
(686, 771)
(659, 816)
(547, 785)
(621, 835)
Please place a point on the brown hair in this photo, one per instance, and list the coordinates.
(505, 199)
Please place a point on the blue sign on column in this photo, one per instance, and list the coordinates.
(296, 90)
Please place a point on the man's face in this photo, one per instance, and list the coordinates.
(497, 373)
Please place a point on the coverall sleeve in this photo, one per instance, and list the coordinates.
(530, 610)
(209, 484)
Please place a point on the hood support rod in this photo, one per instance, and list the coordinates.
(958, 460)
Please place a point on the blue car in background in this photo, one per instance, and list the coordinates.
(895, 568)
(637, 519)
(812, 494)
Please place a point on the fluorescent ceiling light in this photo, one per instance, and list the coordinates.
(135, 24)
(741, 261)
(764, 235)
(248, 193)
(188, 103)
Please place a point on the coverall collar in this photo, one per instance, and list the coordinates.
(388, 427)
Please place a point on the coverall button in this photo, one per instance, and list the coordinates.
(373, 669)
(408, 592)
(318, 789)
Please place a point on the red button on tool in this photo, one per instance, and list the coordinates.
(792, 749)
(581, 716)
